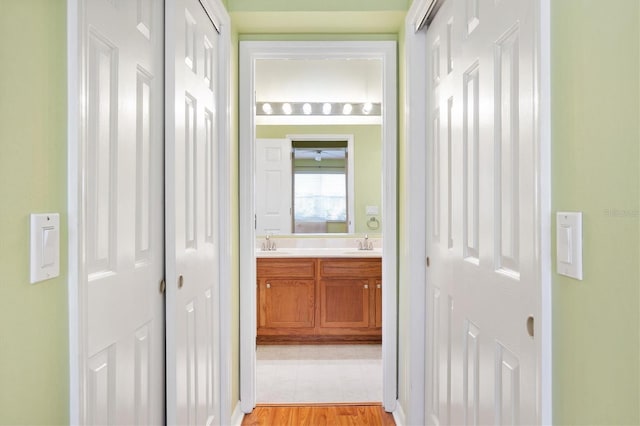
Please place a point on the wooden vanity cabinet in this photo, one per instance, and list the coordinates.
(347, 294)
(286, 295)
(319, 300)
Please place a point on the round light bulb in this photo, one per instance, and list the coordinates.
(266, 108)
(346, 109)
(306, 108)
(286, 108)
(367, 107)
(326, 108)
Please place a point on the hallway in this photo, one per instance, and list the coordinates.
(593, 134)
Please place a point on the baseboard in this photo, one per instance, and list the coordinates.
(237, 415)
(398, 415)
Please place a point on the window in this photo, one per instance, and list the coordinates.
(320, 197)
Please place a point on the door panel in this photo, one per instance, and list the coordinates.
(273, 186)
(344, 303)
(286, 303)
(481, 227)
(123, 205)
(192, 200)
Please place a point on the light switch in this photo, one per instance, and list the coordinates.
(49, 245)
(45, 246)
(372, 210)
(564, 244)
(569, 244)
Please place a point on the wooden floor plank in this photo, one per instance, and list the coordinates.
(319, 415)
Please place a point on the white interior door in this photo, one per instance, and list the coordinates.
(192, 203)
(484, 286)
(273, 186)
(123, 213)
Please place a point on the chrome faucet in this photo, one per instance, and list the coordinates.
(365, 244)
(268, 245)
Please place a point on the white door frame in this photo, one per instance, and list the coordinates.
(250, 51)
(416, 212)
(76, 90)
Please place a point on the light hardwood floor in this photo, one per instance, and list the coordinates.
(318, 415)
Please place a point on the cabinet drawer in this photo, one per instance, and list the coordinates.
(286, 268)
(357, 268)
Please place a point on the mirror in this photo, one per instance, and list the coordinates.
(318, 157)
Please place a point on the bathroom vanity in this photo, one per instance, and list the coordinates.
(314, 297)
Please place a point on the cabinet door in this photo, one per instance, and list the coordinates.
(286, 303)
(378, 303)
(344, 303)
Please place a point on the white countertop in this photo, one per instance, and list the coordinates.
(320, 252)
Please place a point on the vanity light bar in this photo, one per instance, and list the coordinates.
(319, 108)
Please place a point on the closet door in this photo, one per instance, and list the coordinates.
(122, 210)
(193, 366)
(483, 296)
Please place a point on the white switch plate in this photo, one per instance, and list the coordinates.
(569, 244)
(372, 210)
(45, 246)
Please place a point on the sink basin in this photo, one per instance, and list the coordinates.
(362, 252)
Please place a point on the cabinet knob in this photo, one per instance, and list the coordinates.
(366, 286)
(268, 285)
(378, 285)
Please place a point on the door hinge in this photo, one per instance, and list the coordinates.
(163, 286)
(428, 262)
(255, 221)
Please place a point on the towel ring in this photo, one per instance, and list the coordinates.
(373, 223)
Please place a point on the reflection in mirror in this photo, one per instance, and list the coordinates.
(320, 187)
(274, 176)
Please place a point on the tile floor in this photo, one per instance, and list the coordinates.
(318, 373)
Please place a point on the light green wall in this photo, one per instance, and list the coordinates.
(326, 19)
(595, 162)
(367, 163)
(404, 326)
(33, 318)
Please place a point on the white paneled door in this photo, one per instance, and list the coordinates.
(273, 186)
(192, 220)
(484, 288)
(122, 205)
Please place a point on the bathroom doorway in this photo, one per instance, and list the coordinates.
(255, 360)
